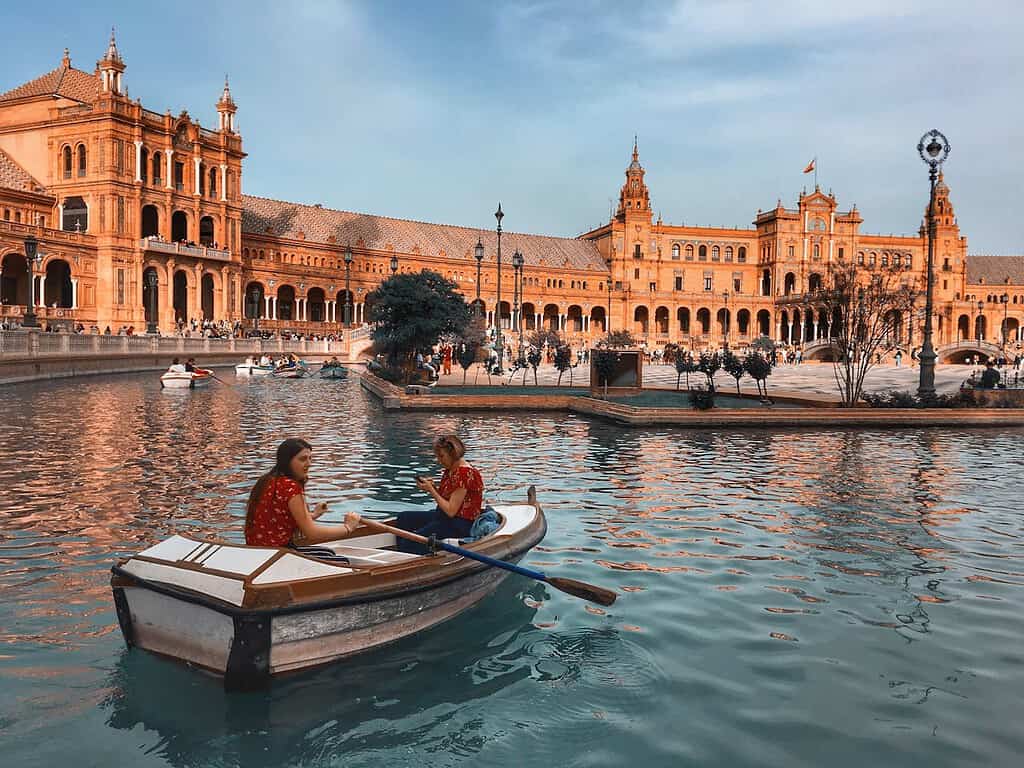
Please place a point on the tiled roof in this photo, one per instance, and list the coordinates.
(13, 176)
(64, 81)
(261, 215)
(995, 270)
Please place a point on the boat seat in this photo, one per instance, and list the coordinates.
(366, 555)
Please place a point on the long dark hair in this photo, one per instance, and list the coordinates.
(286, 451)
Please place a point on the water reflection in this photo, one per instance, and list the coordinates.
(841, 592)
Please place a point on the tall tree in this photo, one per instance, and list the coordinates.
(760, 368)
(563, 363)
(411, 311)
(866, 310)
(733, 365)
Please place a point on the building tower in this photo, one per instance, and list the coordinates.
(110, 68)
(226, 108)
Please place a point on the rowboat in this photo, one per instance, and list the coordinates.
(185, 379)
(334, 372)
(250, 613)
(252, 369)
(290, 372)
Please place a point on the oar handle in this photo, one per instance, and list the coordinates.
(494, 563)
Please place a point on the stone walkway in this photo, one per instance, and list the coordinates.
(806, 379)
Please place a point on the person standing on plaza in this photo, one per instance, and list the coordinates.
(898, 357)
(447, 359)
(990, 376)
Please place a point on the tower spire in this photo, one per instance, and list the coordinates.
(226, 108)
(111, 66)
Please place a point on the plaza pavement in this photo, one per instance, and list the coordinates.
(815, 379)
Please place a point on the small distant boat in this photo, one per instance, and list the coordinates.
(185, 379)
(334, 372)
(249, 613)
(253, 369)
(290, 372)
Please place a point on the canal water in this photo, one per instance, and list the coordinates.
(796, 598)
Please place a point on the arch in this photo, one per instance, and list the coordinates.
(789, 284)
(808, 317)
(76, 215)
(179, 227)
(715, 253)
(741, 255)
(286, 302)
(551, 319)
(254, 299)
(206, 231)
(151, 296)
(814, 282)
(150, 221)
(683, 319)
(675, 251)
(144, 165)
(764, 322)
(689, 253)
(505, 310)
(641, 320)
(316, 305)
(724, 319)
(81, 159)
(598, 319)
(529, 316)
(1010, 330)
(963, 328)
(206, 295)
(743, 322)
(786, 325)
(57, 288)
(180, 292)
(766, 282)
(14, 279)
(158, 164)
(574, 318)
(704, 320)
(702, 253)
(67, 164)
(980, 328)
(661, 320)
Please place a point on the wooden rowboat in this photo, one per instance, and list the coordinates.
(334, 372)
(290, 372)
(249, 613)
(185, 379)
(252, 369)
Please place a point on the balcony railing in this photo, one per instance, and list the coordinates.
(197, 251)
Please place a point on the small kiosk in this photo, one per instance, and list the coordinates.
(626, 379)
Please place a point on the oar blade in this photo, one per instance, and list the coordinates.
(589, 592)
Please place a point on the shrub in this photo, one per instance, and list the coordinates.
(702, 399)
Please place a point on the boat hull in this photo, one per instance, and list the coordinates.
(253, 370)
(289, 373)
(184, 380)
(334, 373)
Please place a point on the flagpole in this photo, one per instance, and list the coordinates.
(815, 171)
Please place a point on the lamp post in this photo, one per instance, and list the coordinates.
(978, 323)
(517, 291)
(152, 282)
(32, 259)
(1005, 301)
(934, 154)
(608, 316)
(348, 286)
(394, 265)
(254, 295)
(478, 254)
(498, 346)
(728, 319)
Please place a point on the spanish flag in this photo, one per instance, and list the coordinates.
(810, 166)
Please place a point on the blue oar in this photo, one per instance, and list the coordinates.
(589, 592)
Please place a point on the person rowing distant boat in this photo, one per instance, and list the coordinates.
(276, 514)
(459, 497)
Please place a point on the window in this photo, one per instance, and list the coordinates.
(791, 251)
(636, 274)
(636, 251)
(689, 253)
(715, 253)
(675, 252)
(17, 217)
(67, 162)
(741, 255)
(871, 259)
(119, 155)
(707, 283)
(144, 165)
(842, 254)
(679, 282)
(897, 260)
(653, 287)
(860, 258)
(945, 286)
(120, 215)
(728, 253)
(702, 253)
(618, 285)
(81, 159)
(736, 284)
(817, 252)
(885, 259)
(906, 262)
(179, 177)
(7, 214)
(120, 286)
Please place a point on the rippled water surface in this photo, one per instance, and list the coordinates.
(796, 598)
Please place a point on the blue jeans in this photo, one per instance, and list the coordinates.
(429, 522)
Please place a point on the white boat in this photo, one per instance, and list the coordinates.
(249, 613)
(185, 379)
(253, 369)
(290, 372)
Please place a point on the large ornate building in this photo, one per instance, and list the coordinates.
(142, 214)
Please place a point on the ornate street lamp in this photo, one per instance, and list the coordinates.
(517, 292)
(394, 265)
(498, 346)
(33, 259)
(1005, 301)
(981, 317)
(933, 149)
(728, 319)
(348, 286)
(608, 317)
(152, 282)
(478, 254)
(254, 295)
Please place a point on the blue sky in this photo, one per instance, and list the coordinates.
(435, 111)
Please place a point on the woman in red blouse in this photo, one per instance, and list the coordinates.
(459, 497)
(277, 515)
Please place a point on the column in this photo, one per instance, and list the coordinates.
(273, 307)
(223, 182)
(301, 308)
(266, 306)
(537, 320)
(138, 161)
(170, 167)
(195, 176)
(778, 330)
(74, 293)
(42, 290)
(60, 216)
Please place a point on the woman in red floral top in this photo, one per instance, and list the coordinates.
(277, 515)
(459, 497)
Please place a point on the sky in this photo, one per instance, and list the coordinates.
(435, 111)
